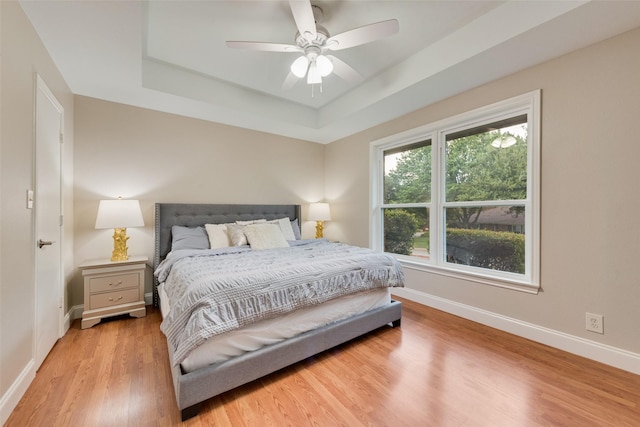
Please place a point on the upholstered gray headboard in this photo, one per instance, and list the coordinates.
(192, 215)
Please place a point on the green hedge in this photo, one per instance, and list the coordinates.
(497, 250)
(399, 228)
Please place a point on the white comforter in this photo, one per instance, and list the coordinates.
(213, 292)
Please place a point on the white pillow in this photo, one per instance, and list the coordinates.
(236, 234)
(253, 221)
(265, 236)
(218, 237)
(285, 227)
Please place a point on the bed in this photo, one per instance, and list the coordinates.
(196, 380)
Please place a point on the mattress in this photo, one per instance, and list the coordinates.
(252, 337)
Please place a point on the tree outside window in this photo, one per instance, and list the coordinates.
(407, 184)
(485, 166)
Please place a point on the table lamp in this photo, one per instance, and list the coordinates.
(319, 212)
(119, 214)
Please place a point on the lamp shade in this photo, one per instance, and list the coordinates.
(300, 66)
(325, 66)
(119, 214)
(319, 212)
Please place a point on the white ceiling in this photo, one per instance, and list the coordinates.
(171, 55)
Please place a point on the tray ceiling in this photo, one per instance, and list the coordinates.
(171, 55)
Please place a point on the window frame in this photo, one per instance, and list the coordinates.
(529, 104)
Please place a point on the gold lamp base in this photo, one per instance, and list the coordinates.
(319, 229)
(120, 245)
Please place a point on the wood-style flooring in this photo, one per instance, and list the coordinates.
(435, 370)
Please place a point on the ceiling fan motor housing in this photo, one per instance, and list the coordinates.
(312, 52)
(321, 38)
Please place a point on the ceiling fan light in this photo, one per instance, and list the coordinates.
(325, 66)
(313, 77)
(299, 66)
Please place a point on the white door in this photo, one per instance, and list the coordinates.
(48, 213)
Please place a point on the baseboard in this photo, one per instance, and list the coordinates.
(11, 398)
(602, 353)
(66, 323)
(76, 312)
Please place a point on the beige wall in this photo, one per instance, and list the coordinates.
(23, 55)
(158, 157)
(590, 237)
(590, 232)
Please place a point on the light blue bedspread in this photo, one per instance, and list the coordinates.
(215, 291)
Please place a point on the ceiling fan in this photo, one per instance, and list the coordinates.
(313, 41)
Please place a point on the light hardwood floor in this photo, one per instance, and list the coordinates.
(436, 370)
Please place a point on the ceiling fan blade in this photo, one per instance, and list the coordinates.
(303, 15)
(289, 81)
(362, 35)
(344, 70)
(266, 47)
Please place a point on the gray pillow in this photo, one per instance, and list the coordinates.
(188, 238)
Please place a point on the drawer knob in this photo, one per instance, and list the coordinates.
(117, 284)
(118, 299)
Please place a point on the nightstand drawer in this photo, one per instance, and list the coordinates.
(114, 282)
(114, 298)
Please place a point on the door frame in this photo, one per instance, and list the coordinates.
(41, 88)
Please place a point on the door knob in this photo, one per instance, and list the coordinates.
(42, 243)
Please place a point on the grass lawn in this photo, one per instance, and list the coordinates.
(421, 242)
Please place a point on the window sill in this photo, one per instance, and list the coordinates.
(512, 284)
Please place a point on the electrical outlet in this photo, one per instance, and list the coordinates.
(594, 323)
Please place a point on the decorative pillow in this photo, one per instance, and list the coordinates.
(285, 227)
(218, 237)
(265, 236)
(296, 229)
(188, 238)
(253, 221)
(236, 234)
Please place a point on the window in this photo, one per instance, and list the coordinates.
(460, 196)
(406, 199)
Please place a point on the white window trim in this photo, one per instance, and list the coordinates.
(528, 103)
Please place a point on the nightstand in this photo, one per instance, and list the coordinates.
(112, 288)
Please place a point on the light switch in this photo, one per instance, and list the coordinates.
(29, 199)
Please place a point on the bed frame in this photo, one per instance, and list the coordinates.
(195, 387)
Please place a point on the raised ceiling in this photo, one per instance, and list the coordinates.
(171, 55)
